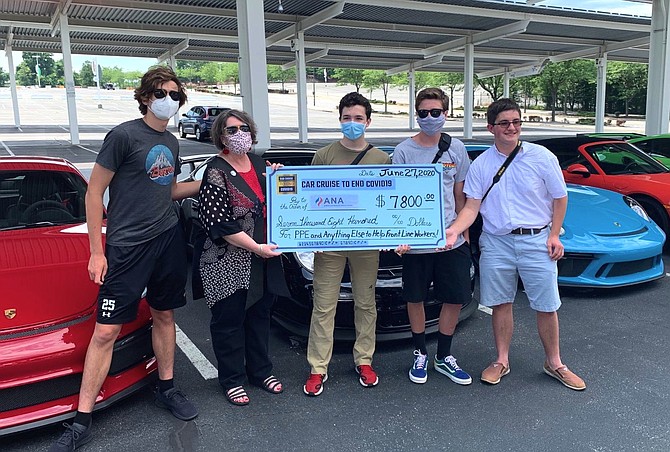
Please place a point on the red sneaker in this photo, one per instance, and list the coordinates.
(369, 377)
(314, 385)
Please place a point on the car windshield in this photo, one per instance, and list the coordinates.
(41, 198)
(622, 158)
(215, 111)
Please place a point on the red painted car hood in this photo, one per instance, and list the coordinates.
(43, 277)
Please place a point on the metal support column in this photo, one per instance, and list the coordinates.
(468, 90)
(253, 67)
(301, 86)
(70, 95)
(658, 86)
(12, 85)
(412, 97)
(601, 67)
(506, 78)
(173, 65)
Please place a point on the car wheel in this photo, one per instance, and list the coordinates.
(656, 212)
(181, 131)
(198, 134)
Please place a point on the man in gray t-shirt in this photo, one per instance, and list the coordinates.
(145, 246)
(447, 271)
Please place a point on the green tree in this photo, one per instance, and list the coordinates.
(4, 77)
(628, 82)
(492, 85)
(231, 73)
(526, 88)
(373, 79)
(26, 74)
(86, 74)
(450, 82)
(211, 73)
(349, 77)
(277, 74)
(550, 81)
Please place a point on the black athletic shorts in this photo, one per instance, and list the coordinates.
(448, 271)
(158, 265)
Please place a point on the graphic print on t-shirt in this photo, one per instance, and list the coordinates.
(160, 164)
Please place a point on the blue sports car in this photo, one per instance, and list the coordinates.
(609, 239)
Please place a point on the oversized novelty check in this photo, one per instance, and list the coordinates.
(331, 208)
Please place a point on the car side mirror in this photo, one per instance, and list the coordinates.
(183, 114)
(578, 168)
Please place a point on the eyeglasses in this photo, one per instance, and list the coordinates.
(231, 130)
(161, 93)
(505, 124)
(435, 113)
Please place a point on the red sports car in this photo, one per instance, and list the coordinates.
(618, 166)
(48, 303)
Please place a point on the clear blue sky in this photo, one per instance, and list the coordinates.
(141, 64)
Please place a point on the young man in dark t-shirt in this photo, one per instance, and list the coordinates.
(145, 246)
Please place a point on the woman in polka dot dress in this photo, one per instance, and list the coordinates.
(236, 272)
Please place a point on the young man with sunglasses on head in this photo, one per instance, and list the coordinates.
(447, 271)
(145, 246)
(523, 213)
(355, 111)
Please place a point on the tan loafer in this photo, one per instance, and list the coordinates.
(565, 376)
(494, 373)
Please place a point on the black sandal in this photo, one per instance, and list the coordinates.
(272, 385)
(235, 393)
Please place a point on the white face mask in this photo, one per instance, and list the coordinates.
(164, 108)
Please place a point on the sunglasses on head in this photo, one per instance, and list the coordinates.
(231, 130)
(435, 113)
(161, 93)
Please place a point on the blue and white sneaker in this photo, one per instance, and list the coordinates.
(449, 367)
(419, 372)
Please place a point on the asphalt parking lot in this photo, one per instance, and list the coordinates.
(616, 339)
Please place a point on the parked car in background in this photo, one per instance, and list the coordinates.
(293, 313)
(198, 121)
(658, 146)
(618, 166)
(48, 303)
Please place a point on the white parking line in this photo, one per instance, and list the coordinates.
(86, 149)
(7, 149)
(200, 362)
(485, 309)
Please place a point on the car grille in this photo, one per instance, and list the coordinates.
(627, 268)
(128, 352)
(574, 264)
(36, 393)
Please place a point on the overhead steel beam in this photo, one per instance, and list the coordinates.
(415, 65)
(173, 51)
(309, 58)
(305, 24)
(596, 51)
(478, 38)
(451, 9)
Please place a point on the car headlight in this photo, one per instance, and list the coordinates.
(306, 259)
(637, 208)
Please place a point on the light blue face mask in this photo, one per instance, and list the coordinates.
(429, 125)
(352, 130)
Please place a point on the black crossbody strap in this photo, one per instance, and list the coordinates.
(361, 154)
(502, 169)
(442, 146)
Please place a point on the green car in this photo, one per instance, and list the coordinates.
(658, 146)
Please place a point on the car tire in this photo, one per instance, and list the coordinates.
(182, 134)
(198, 134)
